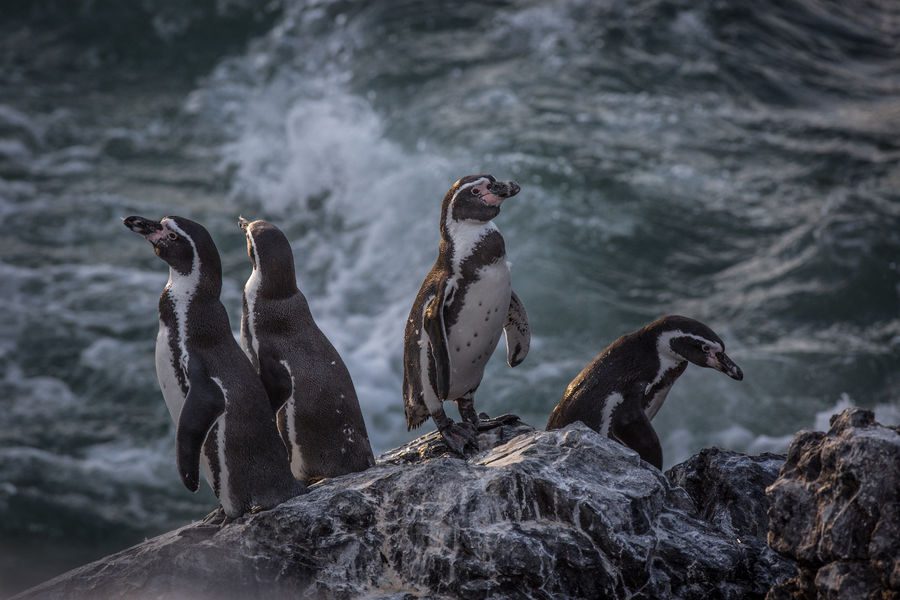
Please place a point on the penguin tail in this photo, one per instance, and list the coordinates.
(416, 414)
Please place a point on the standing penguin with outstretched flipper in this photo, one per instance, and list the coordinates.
(224, 421)
(308, 384)
(462, 307)
(623, 388)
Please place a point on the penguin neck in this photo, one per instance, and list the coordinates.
(200, 283)
(204, 279)
(276, 281)
(671, 365)
(460, 238)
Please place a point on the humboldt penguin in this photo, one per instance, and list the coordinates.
(224, 421)
(307, 383)
(623, 388)
(462, 307)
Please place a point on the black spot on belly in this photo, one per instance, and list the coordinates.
(476, 334)
(457, 348)
(468, 344)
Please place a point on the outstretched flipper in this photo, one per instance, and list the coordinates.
(518, 333)
(433, 324)
(204, 403)
(632, 427)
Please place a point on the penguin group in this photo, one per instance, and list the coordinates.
(265, 418)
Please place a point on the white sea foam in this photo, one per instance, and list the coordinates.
(357, 197)
(681, 443)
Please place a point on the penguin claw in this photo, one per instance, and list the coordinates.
(214, 520)
(485, 422)
(461, 437)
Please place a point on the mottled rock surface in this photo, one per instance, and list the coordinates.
(536, 514)
(729, 491)
(836, 510)
(729, 488)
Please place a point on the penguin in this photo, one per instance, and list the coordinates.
(307, 383)
(214, 396)
(623, 388)
(462, 307)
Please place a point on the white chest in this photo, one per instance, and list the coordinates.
(165, 373)
(251, 290)
(474, 336)
(657, 401)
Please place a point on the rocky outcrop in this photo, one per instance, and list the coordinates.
(729, 488)
(836, 511)
(729, 491)
(535, 514)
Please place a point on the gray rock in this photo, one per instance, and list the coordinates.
(729, 488)
(836, 510)
(729, 491)
(558, 514)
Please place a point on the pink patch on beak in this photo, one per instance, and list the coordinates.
(492, 199)
(487, 197)
(156, 235)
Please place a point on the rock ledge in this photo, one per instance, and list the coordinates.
(536, 514)
(836, 511)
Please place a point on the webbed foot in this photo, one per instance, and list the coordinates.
(485, 422)
(208, 525)
(215, 519)
(460, 437)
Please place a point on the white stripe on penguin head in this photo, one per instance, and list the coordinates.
(668, 358)
(465, 235)
(182, 289)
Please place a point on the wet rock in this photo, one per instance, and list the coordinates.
(836, 510)
(536, 514)
(729, 491)
(729, 488)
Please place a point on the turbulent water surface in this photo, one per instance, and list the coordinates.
(737, 162)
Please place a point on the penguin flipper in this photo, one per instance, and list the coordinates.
(276, 379)
(433, 324)
(204, 403)
(518, 332)
(632, 427)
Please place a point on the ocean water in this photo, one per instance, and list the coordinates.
(738, 162)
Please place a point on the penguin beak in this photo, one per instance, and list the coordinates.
(499, 191)
(723, 363)
(152, 231)
(504, 190)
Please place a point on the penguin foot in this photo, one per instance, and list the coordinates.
(214, 520)
(485, 422)
(209, 525)
(461, 437)
(216, 516)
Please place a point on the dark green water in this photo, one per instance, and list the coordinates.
(735, 162)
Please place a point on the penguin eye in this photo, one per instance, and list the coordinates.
(705, 347)
(172, 235)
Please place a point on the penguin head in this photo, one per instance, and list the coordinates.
(476, 198)
(184, 245)
(682, 338)
(270, 255)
